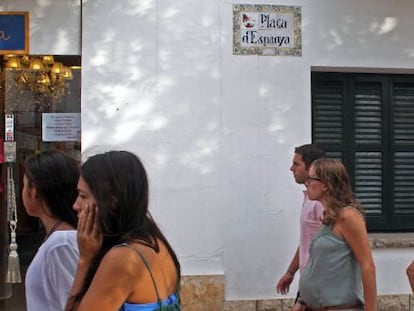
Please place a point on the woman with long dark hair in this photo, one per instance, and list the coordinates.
(340, 273)
(125, 263)
(49, 191)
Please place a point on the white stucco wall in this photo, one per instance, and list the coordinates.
(217, 131)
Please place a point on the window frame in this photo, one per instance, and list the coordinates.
(388, 220)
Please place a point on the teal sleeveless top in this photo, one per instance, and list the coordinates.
(332, 276)
(172, 303)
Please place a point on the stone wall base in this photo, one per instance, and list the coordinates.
(206, 293)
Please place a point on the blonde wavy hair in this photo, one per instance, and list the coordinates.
(339, 191)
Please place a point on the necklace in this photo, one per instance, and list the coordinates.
(53, 229)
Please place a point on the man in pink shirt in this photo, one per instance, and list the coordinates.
(311, 214)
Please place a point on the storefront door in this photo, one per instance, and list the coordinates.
(39, 113)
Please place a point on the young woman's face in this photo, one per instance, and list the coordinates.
(85, 196)
(30, 202)
(316, 187)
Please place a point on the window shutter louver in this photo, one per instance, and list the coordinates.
(403, 144)
(403, 113)
(327, 113)
(404, 183)
(368, 113)
(368, 181)
(368, 165)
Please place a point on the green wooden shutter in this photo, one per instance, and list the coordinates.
(402, 97)
(327, 108)
(368, 181)
(367, 121)
(368, 162)
(347, 121)
(403, 113)
(367, 108)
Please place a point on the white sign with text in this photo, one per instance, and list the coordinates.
(266, 30)
(61, 127)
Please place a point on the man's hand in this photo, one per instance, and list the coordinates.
(283, 285)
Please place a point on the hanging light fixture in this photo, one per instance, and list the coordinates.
(41, 75)
(13, 62)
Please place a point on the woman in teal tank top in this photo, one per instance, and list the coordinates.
(340, 273)
(125, 262)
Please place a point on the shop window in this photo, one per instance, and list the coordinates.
(35, 90)
(367, 121)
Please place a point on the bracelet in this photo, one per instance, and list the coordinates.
(291, 273)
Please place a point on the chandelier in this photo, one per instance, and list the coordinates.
(40, 75)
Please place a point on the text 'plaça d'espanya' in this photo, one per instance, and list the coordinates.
(267, 22)
(254, 37)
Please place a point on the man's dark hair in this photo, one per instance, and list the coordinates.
(309, 153)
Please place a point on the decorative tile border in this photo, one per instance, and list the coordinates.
(267, 30)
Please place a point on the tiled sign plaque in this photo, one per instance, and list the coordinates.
(267, 30)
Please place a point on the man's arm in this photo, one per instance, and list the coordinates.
(282, 287)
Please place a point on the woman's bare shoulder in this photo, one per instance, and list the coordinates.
(350, 212)
(350, 219)
(122, 259)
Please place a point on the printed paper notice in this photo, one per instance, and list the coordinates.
(61, 127)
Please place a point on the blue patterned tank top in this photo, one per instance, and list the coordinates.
(172, 303)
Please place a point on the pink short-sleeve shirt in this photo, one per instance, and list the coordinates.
(310, 221)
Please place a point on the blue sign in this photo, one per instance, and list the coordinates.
(14, 32)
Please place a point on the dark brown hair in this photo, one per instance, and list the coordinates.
(119, 184)
(55, 176)
(310, 153)
(339, 193)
